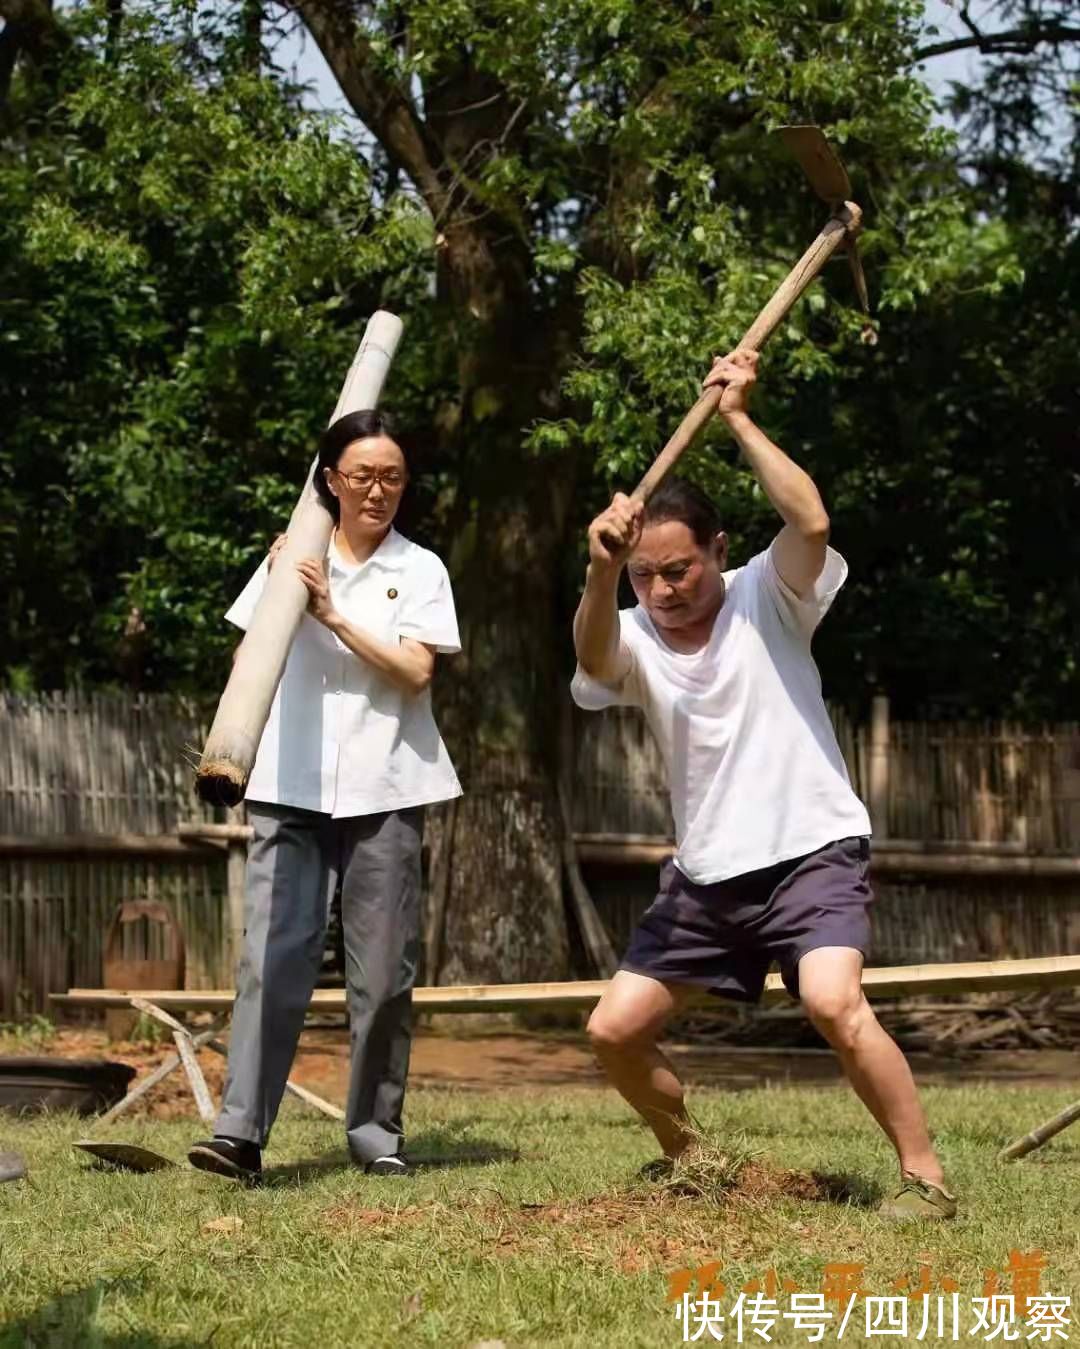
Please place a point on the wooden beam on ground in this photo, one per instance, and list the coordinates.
(886, 981)
(185, 1047)
(888, 857)
(160, 1073)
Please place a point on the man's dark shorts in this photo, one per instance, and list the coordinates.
(725, 936)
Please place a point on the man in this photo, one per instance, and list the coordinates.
(772, 843)
(349, 759)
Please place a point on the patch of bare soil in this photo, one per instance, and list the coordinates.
(647, 1228)
(171, 1099)
(351, 1219)
(523, 1062)
(758, 1183)
(643, 1228)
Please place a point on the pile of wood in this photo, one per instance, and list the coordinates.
(954, 1026)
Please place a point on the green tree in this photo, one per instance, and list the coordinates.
(573, 205)
(185, 257)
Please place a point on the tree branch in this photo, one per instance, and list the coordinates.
(1014, 40)
(115, 10)
(380, 103)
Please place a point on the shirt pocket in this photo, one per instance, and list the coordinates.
(376, 607)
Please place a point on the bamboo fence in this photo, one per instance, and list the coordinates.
(112, 765)
(98, 764)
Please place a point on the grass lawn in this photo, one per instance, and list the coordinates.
(528, 1228)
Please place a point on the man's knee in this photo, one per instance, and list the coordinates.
(611, 1034)
(842, 1015)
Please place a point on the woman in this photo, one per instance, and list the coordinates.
(349, 759)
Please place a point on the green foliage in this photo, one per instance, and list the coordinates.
(22, 1037)
(187, 262)
(187, 258)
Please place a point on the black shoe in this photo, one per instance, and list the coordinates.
(396, 1164)
(235, 1158)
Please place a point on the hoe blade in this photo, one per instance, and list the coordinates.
(123, 1156)
(818, 160)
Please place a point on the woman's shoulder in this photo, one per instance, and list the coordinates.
(416, 557)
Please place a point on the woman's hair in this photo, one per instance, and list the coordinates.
(677, 499)
(338, 435)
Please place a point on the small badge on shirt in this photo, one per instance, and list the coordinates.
(391, 594)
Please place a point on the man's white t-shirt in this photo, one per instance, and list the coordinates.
(341, 738)
(755, 772)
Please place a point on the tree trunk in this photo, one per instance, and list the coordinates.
(251, 34)
(30, 30)
(115, 11)
(496, 910)
(501, 897)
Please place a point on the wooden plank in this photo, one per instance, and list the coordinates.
(107, 845)
(932, 847)
(309, 1098)
(228, 833)
(886, 981)
(160, 1073)
(185, 1048)
(199, 1088)
(886, 858)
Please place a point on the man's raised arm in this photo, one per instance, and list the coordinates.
(799, 549)
(612, 536)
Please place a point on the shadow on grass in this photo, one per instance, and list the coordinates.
(70, 1321)
(430, 1150)
(845, 1188)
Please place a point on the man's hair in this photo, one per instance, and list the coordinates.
(362, 425)
(677, 499)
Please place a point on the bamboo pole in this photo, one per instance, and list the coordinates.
(1041, 1135)
(884, 981)
(208, 1039)
(241, 716)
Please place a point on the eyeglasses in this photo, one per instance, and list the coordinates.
(364, 479)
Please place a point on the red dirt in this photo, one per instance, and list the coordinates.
(350, 1219)
(522, 1062)
(643, 1228)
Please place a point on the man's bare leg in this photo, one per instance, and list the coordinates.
(624, 1029)
(830, 989)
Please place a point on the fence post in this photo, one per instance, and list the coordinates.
(879, 765)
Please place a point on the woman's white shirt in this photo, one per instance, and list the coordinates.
(341, 738)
